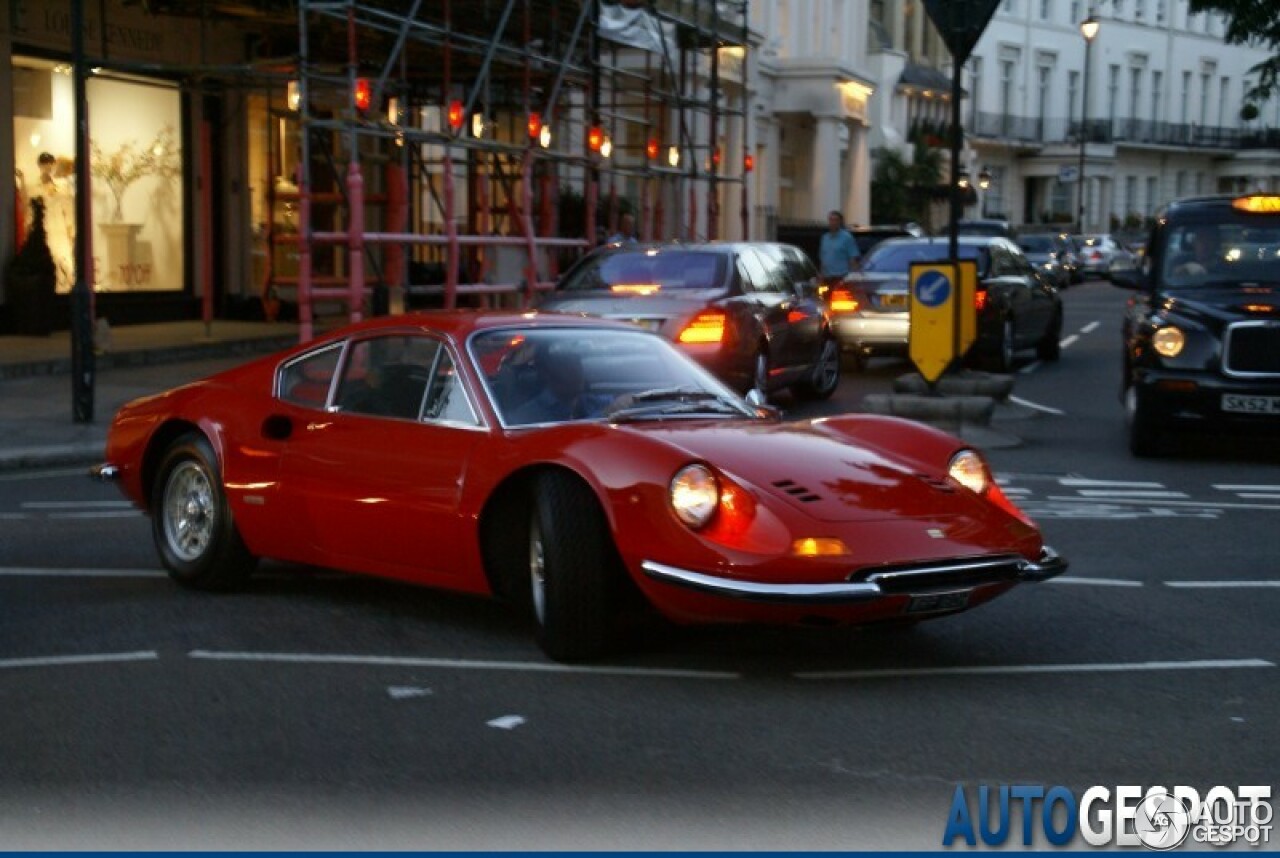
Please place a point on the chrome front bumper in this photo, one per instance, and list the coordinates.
(914, 580)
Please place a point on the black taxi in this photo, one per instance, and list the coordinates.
(1202, 331)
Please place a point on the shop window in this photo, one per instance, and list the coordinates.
(136, 163)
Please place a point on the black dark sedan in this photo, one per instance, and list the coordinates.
(747, 311)
(1202, 332)
(1017, 310)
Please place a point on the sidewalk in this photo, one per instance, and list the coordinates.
(36, 426)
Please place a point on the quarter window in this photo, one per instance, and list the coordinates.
(306, 380)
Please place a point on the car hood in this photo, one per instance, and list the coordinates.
(612, 305)
(1217, 307)
(819, 472)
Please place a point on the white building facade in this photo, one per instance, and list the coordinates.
(1166, 113)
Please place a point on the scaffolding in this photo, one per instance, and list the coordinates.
(462, 151)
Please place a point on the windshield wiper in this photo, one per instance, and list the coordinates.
(705, 404)
(682, 394)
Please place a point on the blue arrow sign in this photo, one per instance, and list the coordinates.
(933, 289)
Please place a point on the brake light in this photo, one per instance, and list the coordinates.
(980, 299)
(636, 288)
(706, 327)
(842, 301)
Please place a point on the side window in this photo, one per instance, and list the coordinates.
(306, 380)
(757, 277)
(387, 376)
(1001, 264)
(446, 399)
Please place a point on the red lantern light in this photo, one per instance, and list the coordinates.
(362, 96)
(535, 125)
(455, 114)
(595, 138)
(651, 148)
(748, 163)
(715, 156)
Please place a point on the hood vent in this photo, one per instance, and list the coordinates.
(796, 490)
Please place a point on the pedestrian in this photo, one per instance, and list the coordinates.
(626, 233)
(838, 252)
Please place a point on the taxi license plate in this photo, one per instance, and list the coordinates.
(894, 301)
(934, 602)
(1237, 404)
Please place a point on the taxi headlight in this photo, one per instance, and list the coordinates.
(968, 469)
(1169, 341)
(695, 494)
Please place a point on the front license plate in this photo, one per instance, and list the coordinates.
(935, 602)
(1237, 404)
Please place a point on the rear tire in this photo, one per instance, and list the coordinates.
(574, 573)
(1002, 360)
(825, 375)
(191, 520)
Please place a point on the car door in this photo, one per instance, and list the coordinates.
(765, 285)
(1041, 298)
(379, 477)
(808, 310)
(1009, 292)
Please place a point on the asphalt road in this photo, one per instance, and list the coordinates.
(318, 710)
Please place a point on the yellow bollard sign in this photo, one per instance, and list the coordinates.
(967, 308)
(932, 339)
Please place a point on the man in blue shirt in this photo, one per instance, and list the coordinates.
(837, 252)
(626, 233)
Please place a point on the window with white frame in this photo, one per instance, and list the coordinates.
(1224, 92)
(1075, 12)
(1186, 97)
(1130, 195)
(975, 90)
(1113, 91)
(1046, 9)
(1157, 93)
(1205, 78)
(1073, 94)
(1135, 92)
(1160, 11)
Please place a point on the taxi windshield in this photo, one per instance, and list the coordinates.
(1235, 250)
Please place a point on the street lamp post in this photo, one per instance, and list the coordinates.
(1089, 29)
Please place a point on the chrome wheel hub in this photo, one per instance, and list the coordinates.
(189, 513)
(537, 572)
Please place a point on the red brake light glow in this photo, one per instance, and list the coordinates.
(706, 327)
(842, 301)
(980, 299)
(636, 288)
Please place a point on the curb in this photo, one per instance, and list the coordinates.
(192, 351)
(966, 383)
(85, 453)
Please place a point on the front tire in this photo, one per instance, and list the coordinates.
(825, 376)
(574, 573)
(191, 520)
(1141, 425)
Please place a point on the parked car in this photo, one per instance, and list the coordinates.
(1048, 252)
(748, 311)
(1202, 331)
(421, 448)
(1096, 253)
(1016, 309)
(985, 226)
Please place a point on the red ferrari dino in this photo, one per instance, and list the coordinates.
(564, 464)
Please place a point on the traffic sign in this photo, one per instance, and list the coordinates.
(967, 306)
(1068, 173)
(960, 23)
(931, 341)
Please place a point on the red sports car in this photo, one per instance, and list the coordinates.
(565, 464)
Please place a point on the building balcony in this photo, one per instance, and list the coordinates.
(1037, 130)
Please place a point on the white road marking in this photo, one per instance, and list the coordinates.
(1139, 493)
(1026, 403)
(106, 504)
(1220, 585)
(97, 658)
(456, 664)
(1067, 342)
(113, 513)
(13, 516)
(1258, 496)
(1210, 505)
(1096, 582)
(506, 722)
(35, 572)
(1083, 482)
(1234, 487)
(1090, 328)
(1014, 669)
(1014, 490)
(1030, 368)
(405, 692)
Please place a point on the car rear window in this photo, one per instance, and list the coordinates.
(651, 268)
(1036, 243)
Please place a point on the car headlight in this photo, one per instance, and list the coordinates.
(1169, 341)
(695, 494)
(968, 469)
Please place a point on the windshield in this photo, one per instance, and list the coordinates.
(1037, 243)
(896, 258)
(541, 376)
(649, 270)
(1230, 252)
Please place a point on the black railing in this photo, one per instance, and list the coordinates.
(1035, 129)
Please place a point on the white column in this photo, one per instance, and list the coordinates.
(857, 199)
(825, 176)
